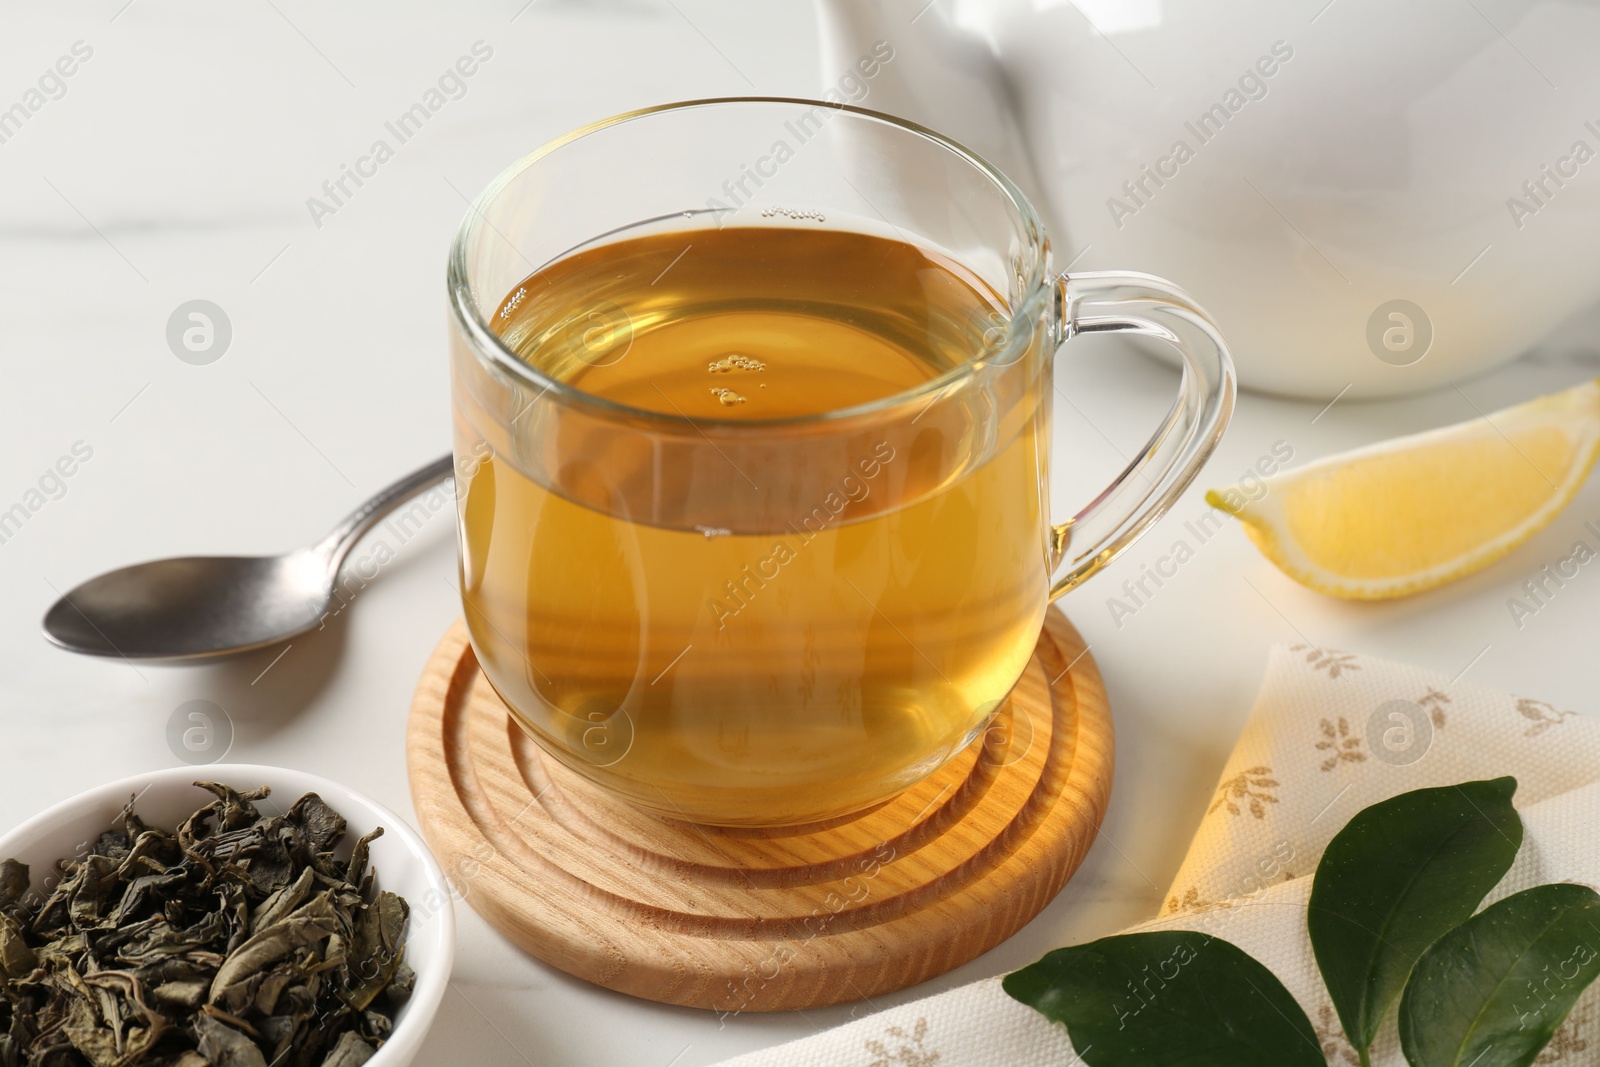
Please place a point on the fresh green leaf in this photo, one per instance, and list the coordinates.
(1398, 876)
(1172, 997)
(1492, 991)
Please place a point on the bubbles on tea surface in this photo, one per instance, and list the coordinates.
(711, 532)
(734, 361)
(729, 363)
(513, 301)
(793, 213)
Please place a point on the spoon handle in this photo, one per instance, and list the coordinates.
(343, 537)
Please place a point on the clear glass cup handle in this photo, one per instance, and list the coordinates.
(1142, 304)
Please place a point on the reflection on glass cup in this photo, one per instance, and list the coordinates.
(756, 393)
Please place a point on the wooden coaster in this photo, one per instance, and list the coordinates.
(763, 920)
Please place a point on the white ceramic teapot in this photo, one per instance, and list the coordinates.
(1370, 197)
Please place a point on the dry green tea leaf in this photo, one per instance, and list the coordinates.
(351, 1051)
(223, 1046)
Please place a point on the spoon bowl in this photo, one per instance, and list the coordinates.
(191, 606)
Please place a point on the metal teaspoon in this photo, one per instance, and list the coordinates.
(196, 606)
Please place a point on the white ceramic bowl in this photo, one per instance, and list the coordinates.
(402, 862)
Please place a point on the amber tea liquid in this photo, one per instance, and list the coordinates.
(805, 663)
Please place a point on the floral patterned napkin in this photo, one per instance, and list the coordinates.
(1330, 734)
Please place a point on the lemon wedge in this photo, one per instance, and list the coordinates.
(1415, 512)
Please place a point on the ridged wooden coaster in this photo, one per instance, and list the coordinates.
(763, 920)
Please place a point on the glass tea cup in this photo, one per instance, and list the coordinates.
(740, 619)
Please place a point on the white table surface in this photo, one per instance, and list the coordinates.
(177, 166)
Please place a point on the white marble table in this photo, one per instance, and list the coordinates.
(177, 164)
